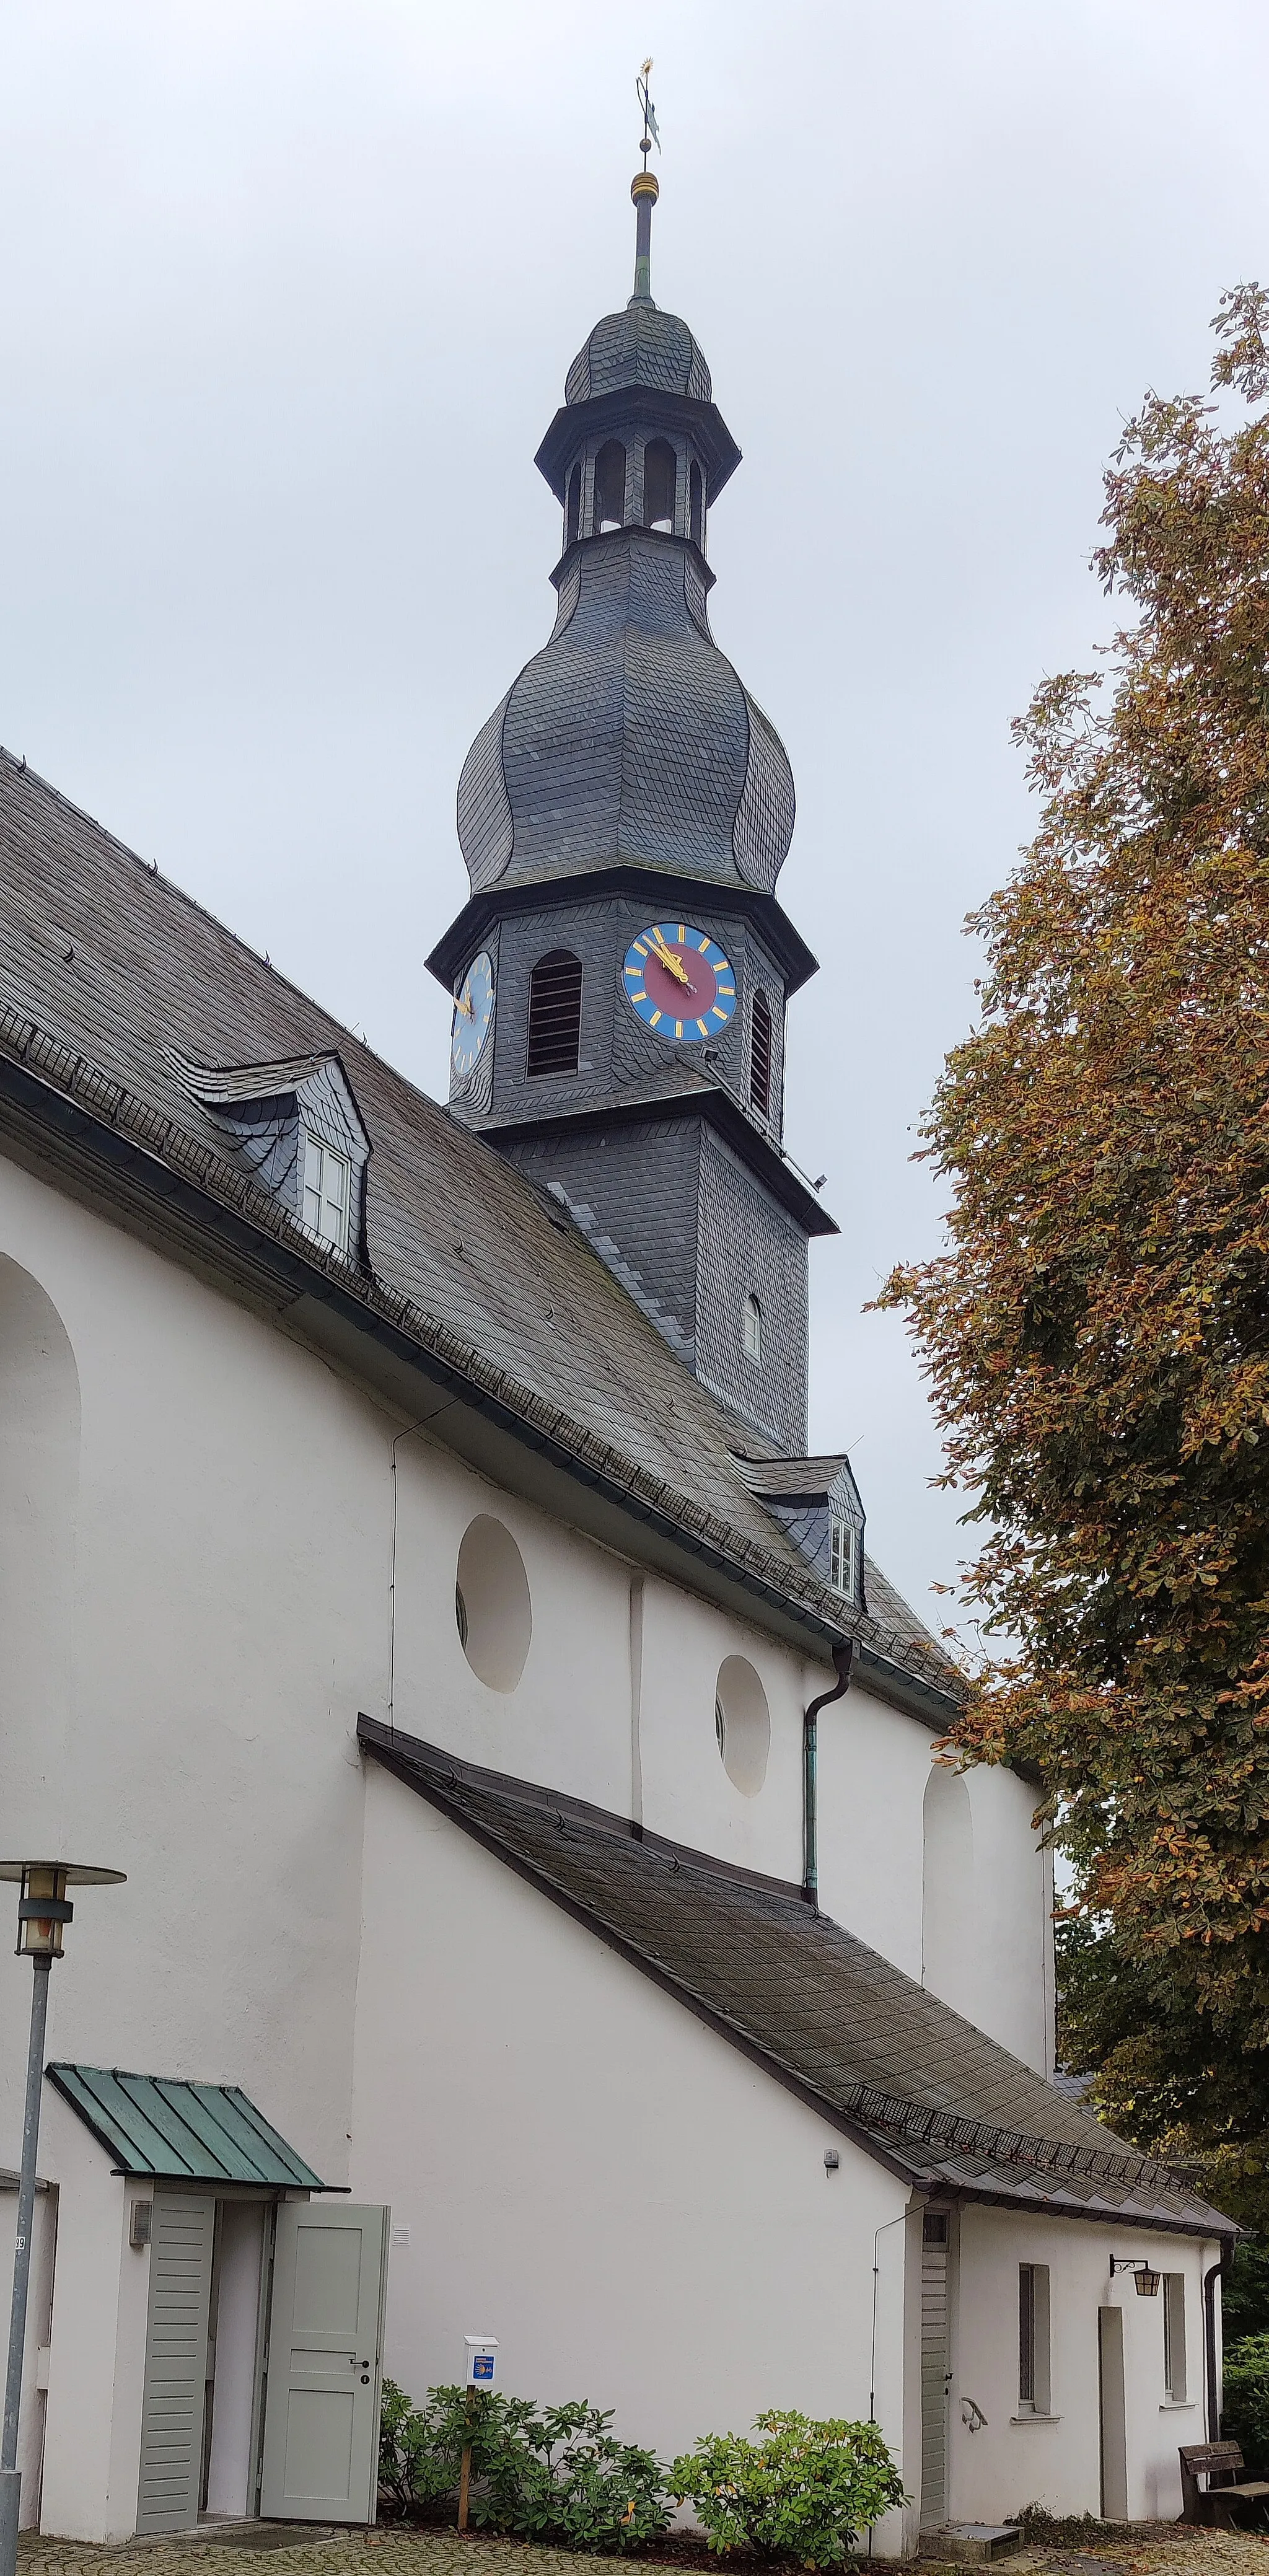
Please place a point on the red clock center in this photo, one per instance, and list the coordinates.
(688, 1001)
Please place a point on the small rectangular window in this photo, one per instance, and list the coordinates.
(1033, 2339)
(1174, 2336)
(846, 1548)
(327, 1192)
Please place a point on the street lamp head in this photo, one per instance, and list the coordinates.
(43, 1911)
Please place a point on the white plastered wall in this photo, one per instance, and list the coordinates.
(583, 2168)
(1055, 2460)
(955, 1889)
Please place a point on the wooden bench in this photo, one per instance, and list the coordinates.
(1214, 2503)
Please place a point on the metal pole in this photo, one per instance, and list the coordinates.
(10, 2480)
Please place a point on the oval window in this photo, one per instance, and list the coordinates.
(491, 1603)
(742, 1723)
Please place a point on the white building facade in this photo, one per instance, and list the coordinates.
(432, 1642)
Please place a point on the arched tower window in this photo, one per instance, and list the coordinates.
(753, 1328)
(610, 486)
(573, 507)
(696, 507)
(660, 478)
(760, 1056)
(555, 1013)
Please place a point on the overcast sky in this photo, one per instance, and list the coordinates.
(288, 297)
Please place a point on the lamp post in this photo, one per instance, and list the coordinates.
(43, 1914)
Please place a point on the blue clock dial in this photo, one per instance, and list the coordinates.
(473, 1016)
(679, 982)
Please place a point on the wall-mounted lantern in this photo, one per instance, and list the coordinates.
(1145, 2282)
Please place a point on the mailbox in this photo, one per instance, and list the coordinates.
(482, 2361)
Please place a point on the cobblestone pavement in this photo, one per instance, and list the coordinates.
(387, 2552)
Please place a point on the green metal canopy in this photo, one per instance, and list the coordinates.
(155, 2126)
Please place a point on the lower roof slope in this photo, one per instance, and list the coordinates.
(921, 2089)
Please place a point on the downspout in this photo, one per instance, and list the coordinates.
(1210, 2278)
(843, 1653)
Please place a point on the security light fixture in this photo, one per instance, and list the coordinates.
(43, 1914)
(831, 2160)
(1145, 2282)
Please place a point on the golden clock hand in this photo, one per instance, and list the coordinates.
(673, 965)
(461, 1005)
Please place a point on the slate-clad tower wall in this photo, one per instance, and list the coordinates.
(628, 785)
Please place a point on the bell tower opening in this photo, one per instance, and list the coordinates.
(610, 487)
(660, 479)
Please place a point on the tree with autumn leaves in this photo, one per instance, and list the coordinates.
(1096, 1335)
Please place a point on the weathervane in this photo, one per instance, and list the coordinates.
(651, 130)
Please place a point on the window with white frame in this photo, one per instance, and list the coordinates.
(845, 1550)
(327, 1192)
(1174, 2336)
(1033, 2339)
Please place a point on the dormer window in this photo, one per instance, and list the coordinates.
(817, 1501)
(327, 1192)
(294, 1130)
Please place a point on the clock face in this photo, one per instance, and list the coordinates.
(679, 981)
(473, 1016)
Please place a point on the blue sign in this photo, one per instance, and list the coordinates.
(482, 2365)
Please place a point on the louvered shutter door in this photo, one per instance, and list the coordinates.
(933, 2384)
(176, 2361)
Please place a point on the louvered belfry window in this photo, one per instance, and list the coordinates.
(555, 1013)
(760, 1056)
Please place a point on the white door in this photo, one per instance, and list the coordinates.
(175, 2394)
(321, 2407)
(935, 2377)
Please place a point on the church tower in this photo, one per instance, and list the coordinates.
(622, 966)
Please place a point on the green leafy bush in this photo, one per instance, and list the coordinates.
(559, 2475)
(552, 2473)
(805, 2490)
(1245, 2411)
(421, 2447)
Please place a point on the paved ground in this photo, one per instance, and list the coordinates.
(349, 2553)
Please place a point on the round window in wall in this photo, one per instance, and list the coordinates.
(742, 1723)
(491, 1603)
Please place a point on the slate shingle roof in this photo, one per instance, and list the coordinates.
(628, 738)
(886, 2061)
(107, 970)
(641, 345)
